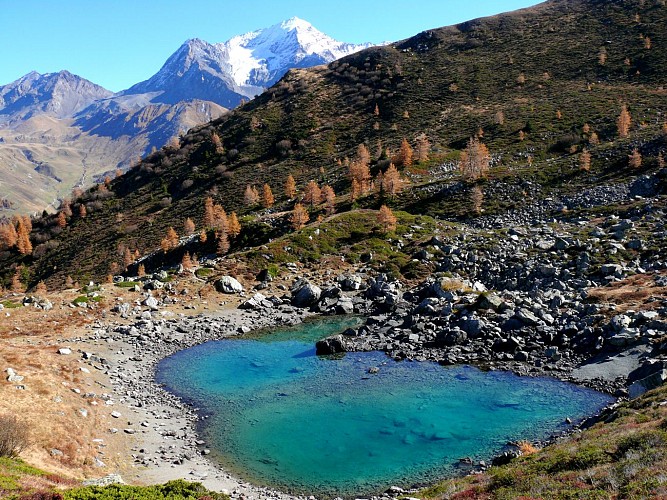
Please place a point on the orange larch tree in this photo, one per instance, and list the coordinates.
(233, 225)
(386, 218)
(267, 196)
(170, 241)
(23, 243)
(623, 122)
(290, 187)
(299, 217)
(312, 194)
(329, 199)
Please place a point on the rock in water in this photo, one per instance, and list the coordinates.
(330, 345)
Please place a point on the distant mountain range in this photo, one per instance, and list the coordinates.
(59, 131)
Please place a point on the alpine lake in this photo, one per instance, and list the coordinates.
(280, 416)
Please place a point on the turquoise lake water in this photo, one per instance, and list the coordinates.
(283, 417)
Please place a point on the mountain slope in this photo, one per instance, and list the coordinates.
(529, 81)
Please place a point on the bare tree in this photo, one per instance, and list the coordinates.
(475, 160)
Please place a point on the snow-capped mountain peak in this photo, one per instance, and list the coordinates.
(243, 66)
(260, 58)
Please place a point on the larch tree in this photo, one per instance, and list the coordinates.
(329, 199)
(209, 212)
(475, 160)
(40, 289)
(219, 218)
(476, 199)
(233, 225)
(267, 196)
(17, 284)
(405, 154)
(312, 194)
(251, 196)
(593, 139)
(82, 211)
(585, 161)
(222, 240)
(66, 207)
(299, 217)
(127, 257)
(8, 235)
(188, 226)
(623, 122)
(186, 261)
(363, 155)
(141, 270)
(61, 220)
(635, 159)
(423, 148)
(23, 243)
(355, 191)
(386, 219)
(27, 222)
(361, 173)
(170, 241)
(290, 187)
(202, 236)
(391, 181)
(217, 143)
(661, 161)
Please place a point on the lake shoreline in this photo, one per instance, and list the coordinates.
(168, 446)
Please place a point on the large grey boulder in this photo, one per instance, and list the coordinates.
(306, 295)
(227, 284)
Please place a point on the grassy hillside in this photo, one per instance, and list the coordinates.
(19, 481)
(527, 82)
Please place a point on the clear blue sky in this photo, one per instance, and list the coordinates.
(116, 43)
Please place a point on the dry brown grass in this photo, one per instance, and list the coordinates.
(633, 292)
(527, 448)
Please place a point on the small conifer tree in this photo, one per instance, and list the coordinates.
(386, 218)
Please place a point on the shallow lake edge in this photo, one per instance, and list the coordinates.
(234, 321)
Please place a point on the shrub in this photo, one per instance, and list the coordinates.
(13, 436)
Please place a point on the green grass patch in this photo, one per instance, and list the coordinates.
(9, 304)
(172, 490)
(204, 272)
(128, 284)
